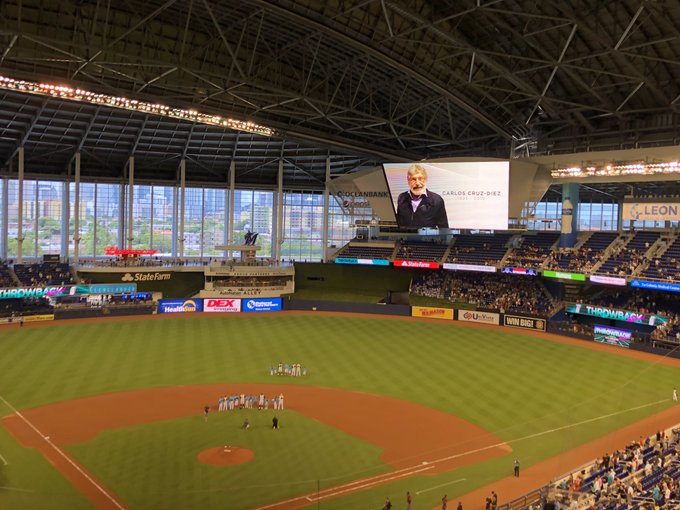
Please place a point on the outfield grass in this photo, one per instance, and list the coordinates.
(510, 384)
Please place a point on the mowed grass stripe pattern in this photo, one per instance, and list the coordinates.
(140, 462)
(510, 384)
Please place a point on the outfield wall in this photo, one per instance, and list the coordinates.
(348, 307)
(173, 282)
(339, 277)
(511, 321)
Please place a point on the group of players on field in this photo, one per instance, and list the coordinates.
(243, 401)
(293, 370)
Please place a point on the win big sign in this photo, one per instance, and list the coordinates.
(222, 305)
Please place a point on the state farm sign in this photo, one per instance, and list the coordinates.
(222, 305)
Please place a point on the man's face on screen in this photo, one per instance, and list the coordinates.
(417, 183)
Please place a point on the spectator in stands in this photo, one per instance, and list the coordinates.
(420, 207)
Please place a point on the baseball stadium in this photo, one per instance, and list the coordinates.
(363, 254)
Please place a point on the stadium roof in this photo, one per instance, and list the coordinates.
(358, 81)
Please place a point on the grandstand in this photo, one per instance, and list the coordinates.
(471, 249)
(630, 255)
(532, 251)
(532, 147)
(42, 274)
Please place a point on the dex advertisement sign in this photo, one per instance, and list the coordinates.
(262, 305)
(221, 305)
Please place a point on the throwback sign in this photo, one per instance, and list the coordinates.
(222, 305)
(179, 305)
(482, 317)
(518, 321)
(432, 313)
(262, 305)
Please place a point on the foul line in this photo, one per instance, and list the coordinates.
(378, 479)
(4, 462)
(370, 484)
(17, 489)
(62, 454)
(440, 485)
(352, 486)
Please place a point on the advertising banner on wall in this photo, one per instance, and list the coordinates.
(262, 305)
(612, 336)
(520, 270)
(481, 317)
(363, 262)
(112, 288)
(565, 276)
(664, 286)
(651, 211)
(613, 314)
(180, 305)
(469, 267)
(431, 312)
(37, 318)
(608, 280)
(522, 322)
(225, 305)
(46, 292)
(154, 276)
(421, 264)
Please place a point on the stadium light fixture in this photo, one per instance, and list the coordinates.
(121, 102)
(616, 170)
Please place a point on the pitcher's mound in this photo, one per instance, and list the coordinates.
(225, 456)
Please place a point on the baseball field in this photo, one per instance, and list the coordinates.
(109, 414)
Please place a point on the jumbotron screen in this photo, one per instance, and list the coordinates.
(460, 195)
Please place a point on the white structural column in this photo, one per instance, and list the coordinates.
(121, 215)
(225, 229)
(325, 210)
(65, 217)
(175, 206)
(232, 198)
(4, 225)
(94, 223)
(20, 209)
(182, 196)
(76, 214)
(131, 196)
(150, 247)
(280, 234)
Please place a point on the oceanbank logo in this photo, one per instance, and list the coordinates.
(222, 305)
(262, 305)
(145, 277)
(358, 199)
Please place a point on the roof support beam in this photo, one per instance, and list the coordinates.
(28, 132)
(400, 66)
(552, 74)
(123, 35)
